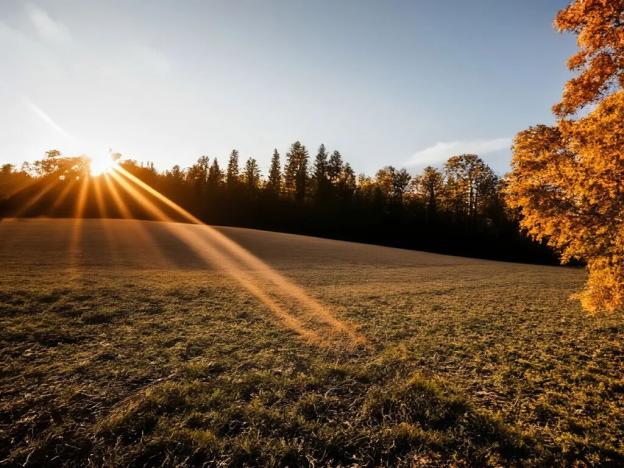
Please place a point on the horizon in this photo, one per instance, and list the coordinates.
(168, 301)
(405, 86)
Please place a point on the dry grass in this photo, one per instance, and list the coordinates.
(126, 348)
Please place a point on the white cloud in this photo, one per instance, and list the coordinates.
(442, 150)
(47, 28)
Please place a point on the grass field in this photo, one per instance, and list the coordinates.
(122, 344)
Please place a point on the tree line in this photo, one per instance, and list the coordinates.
(458, 209)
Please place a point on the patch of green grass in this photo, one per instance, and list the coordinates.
(468, 363)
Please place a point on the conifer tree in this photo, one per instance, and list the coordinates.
(334, 167)
(274, 181)
(251, 176)
(296, 171)
(321, 180)
(215, 175)
(233, 173)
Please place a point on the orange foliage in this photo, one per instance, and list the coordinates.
(599, 25)
(568, 180)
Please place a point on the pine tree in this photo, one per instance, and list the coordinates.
(251, 176)
(321, 180)
(334, 167)
(215, 175)
(233, 175)
(274, 182)
(296, 171)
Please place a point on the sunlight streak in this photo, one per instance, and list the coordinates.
(74, 242)
(145, 202)
(62, 196)
(35, 198)
(123, 209)
(210, 255)
(99, 199)
(32, 181)
(102, 215)
(137, 226)
(247, 259)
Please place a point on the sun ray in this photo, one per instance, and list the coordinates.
(137, 226)
(145, 202)
(76, 232)
(62, 196)
(209, 254)
(25, 186)
(99, 198)
(81, 201)
(287, 286)
(35, 198)
(243, 256)
(123, 209)
(102, 215)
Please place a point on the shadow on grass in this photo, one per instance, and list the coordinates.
(265, 419)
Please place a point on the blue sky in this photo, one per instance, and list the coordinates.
(406, 83)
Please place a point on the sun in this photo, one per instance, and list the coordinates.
(103, 164)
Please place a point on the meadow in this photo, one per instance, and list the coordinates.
(121, 344)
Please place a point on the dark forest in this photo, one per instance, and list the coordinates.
(458, 209)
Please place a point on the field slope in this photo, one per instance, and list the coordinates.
(144, 343)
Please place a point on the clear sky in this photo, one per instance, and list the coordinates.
(386, 82)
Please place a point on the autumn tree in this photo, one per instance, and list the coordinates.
(383, 180)
(393, 182)
(347, 183)
(429, 187)
(567, 180)
(470, 184)
(366, 188)
(599, 26)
